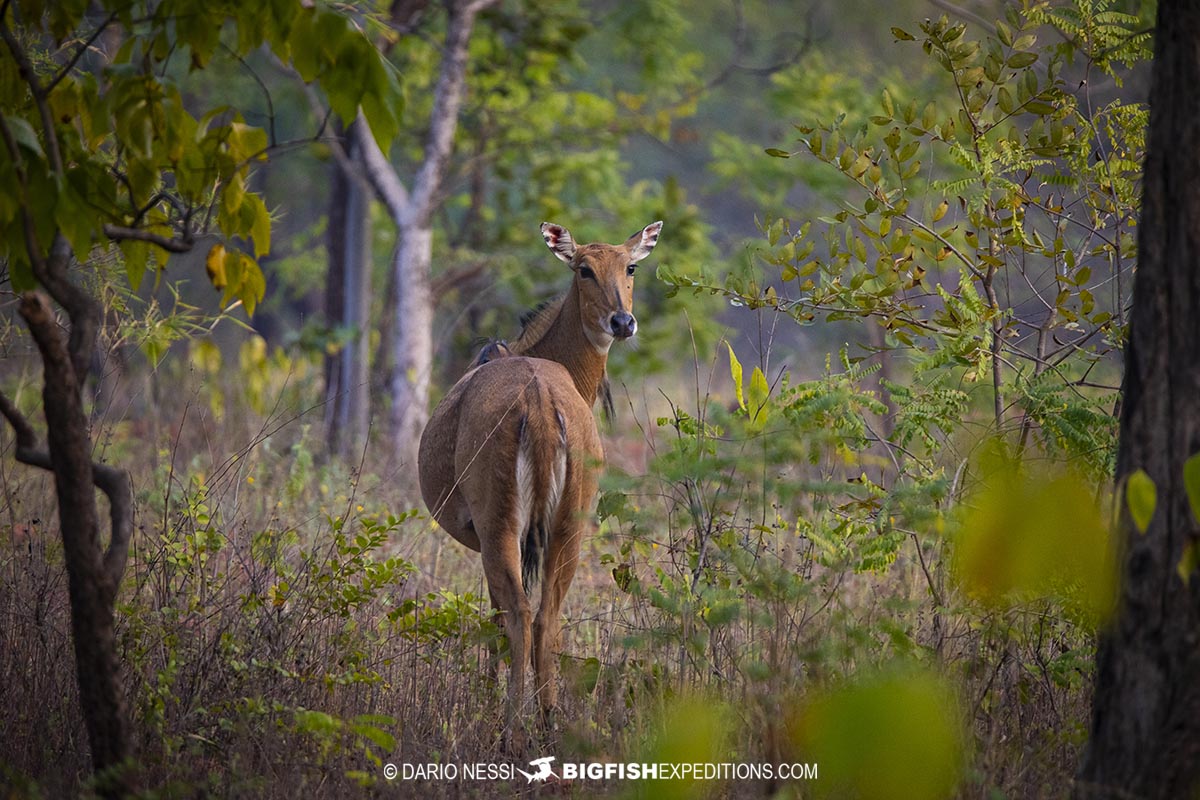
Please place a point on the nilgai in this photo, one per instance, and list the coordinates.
(510, 458)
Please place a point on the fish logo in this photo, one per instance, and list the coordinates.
(543, 770)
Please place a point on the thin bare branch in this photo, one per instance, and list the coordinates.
(381, 174)
(262, 86)
(78, 54)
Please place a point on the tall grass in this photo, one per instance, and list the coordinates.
(288, 624)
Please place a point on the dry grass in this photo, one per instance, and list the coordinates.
(264, 658)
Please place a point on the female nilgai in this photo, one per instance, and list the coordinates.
(509, 459)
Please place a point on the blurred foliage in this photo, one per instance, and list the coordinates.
(1032, 532)
(896, 735)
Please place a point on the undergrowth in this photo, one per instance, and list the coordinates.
(290, 624)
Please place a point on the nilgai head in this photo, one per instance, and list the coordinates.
(604, 280)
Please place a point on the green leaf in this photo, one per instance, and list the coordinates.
(1191, 484)
(1141, 496)
(75, 219)
(777, 153)
(137, 254)
(246, 142)
(304, 46)
(1021, 60)
(1004, 33)
(735, 370)
(903, 35)
(256, 220)
(26, 137)
(233, 260)
(383, 100)
(254, 285)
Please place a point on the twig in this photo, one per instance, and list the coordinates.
(70, 65)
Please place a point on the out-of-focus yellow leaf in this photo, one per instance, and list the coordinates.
(1035, 533)
(1141, 496)
(695, 730)
(215, 266)
(895, 735)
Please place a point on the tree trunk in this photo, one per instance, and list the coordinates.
(348, 305)
(413, 350)
(412, 344)
(1146, 724)
(93, 575)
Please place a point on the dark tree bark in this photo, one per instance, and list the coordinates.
(94, 574)
(1146, 725)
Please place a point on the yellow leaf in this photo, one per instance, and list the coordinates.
(889, 735)
(1141, 496)
(760, 392)
(1033, 532)
(215, 266)
(735, 370)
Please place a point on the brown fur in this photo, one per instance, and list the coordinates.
(528, 407)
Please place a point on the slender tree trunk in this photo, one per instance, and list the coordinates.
(412, 344)
(413, 351)
(348, 304)
(335, 301)
(1146, 724)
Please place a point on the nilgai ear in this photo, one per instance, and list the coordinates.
(641, 243)
(559, 240)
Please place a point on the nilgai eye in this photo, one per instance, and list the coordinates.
(632, 268)
(586, 272)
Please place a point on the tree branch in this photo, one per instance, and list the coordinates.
(27, 451)
(120, 233)
(262, 86)
(118, 486)
(447, 99)
(381, 174)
